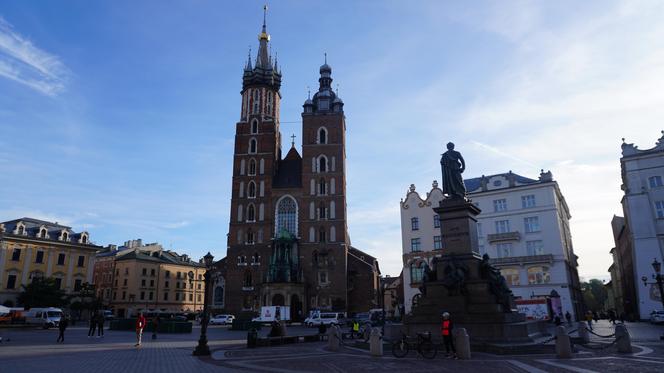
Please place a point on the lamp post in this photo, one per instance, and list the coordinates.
(202, 349)
(659, 281)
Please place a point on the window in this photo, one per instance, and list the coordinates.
(538, 275)
(150, 295)
(142, 295)
(61, 259)
(251, 190)
(191, 297)
(251, 213)
(436, 221)
(322, 136)
(58, 283)
(43, 233)
(528, 201)
(531, 224)
(81, 261)
(152, 272)
(247, 279)
(269, 105)
(11, 281)
(40, 257)
(253, 145)
(256, 101)
(414, 224)
(166, 284)
(322, 188)
(254, 126)
(177, 296)
(511, 276)
(415, 244)
(535, 247)
(287, 215)
(416, 273)
(252, 167)
(168, 274)
(16, 255)
(322, 164)
(659, 206)
(502, 226)
(144, 272)
(84, 239)
(166, 296)
(126, 271)
(322, 277)
(124, 282)
(65, 236)
(198, 297)
(77, 284)
(250, 237)
(437, 243)
(321, 235)
(322, 213)
(655, 181)
(504, 250)
(143, 282)
(499, 205)
(151, 283)
(177, 284)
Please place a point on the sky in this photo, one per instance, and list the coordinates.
(118, 117)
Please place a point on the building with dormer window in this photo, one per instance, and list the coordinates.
(32, 248)
(288, 241)
(523, 227)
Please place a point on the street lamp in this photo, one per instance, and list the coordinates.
(659, 281)
(202, 349)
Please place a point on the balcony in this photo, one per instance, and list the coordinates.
(507, 236)
(521, 260)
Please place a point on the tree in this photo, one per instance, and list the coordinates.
(42, 292)
(594, 294)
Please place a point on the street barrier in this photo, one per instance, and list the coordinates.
(376, 342)
(623, 339)
(462, 344)
(563, 343)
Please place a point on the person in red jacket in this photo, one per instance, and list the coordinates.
(140, 325)
(446, 331)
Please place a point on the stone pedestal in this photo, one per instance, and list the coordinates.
(465, 285)
(376, 343)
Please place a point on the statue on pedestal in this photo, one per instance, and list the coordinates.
(453, 165)
(497, 283)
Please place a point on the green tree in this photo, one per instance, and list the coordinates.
(42, 292)
(594, 294)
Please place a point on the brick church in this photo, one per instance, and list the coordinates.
(288, 241)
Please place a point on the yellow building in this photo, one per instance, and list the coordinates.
(31, 248)
(156, 280)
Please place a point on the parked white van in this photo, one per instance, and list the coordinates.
(47, 317)
(326, 318)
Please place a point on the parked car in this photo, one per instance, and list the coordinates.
(222, 319)
(657, 317)
(46, 317)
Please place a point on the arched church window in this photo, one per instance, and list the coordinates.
(247, 279)
(254, 126)
(251, 190)
(321, 211)
(322, 164)
(250, 237)
(253, 145)
(270, 101)
(251, 213)
(287, 215)
(322, 189)
(219, 296)
(321, 235)
(256, 101)
(322, 136)
(252, 167)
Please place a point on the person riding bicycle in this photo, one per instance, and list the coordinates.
(446, 328)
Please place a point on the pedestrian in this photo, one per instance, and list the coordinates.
(568, 316)
(557, 320)
(622, 317)
(93, 325)
(612, 317)
(355, 330)
(589, 318)
(595, 316)
(140, 325)
(446, 328)
(62, 326)
(322, 328)
(155, 325)
(100, 325)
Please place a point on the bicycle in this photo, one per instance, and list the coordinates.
(423, 345)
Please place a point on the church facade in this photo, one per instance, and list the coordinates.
(288, 241)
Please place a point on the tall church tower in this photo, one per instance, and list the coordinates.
(324, 195)
(255, 162)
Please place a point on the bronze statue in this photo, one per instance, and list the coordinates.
(453, 165)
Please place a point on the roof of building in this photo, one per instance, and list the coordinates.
(364, 257)
(289, 173)
(33, 227)
(167, 257)
(477, 183)
(631, 150)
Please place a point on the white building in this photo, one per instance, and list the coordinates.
(643, 205)
(523, 226)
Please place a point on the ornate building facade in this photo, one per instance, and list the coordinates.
(288, 241)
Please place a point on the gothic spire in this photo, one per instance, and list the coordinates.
(263, 57)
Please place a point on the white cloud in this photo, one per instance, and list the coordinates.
(23, 62)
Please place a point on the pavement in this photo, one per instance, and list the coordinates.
(35, 350)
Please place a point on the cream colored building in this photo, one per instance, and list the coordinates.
(156, 280)
(31, 248)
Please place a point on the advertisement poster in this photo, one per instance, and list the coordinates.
(534, 309)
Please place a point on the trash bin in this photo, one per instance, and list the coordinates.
(252, 336)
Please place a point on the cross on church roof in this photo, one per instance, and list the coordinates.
(293, 142)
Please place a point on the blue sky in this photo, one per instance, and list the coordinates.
(118, 117)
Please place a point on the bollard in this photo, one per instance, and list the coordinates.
(333, 339)
(462, 341)
(583, 332)
(624, 340)
(563, 345)
(376, 342)
(282, 329)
